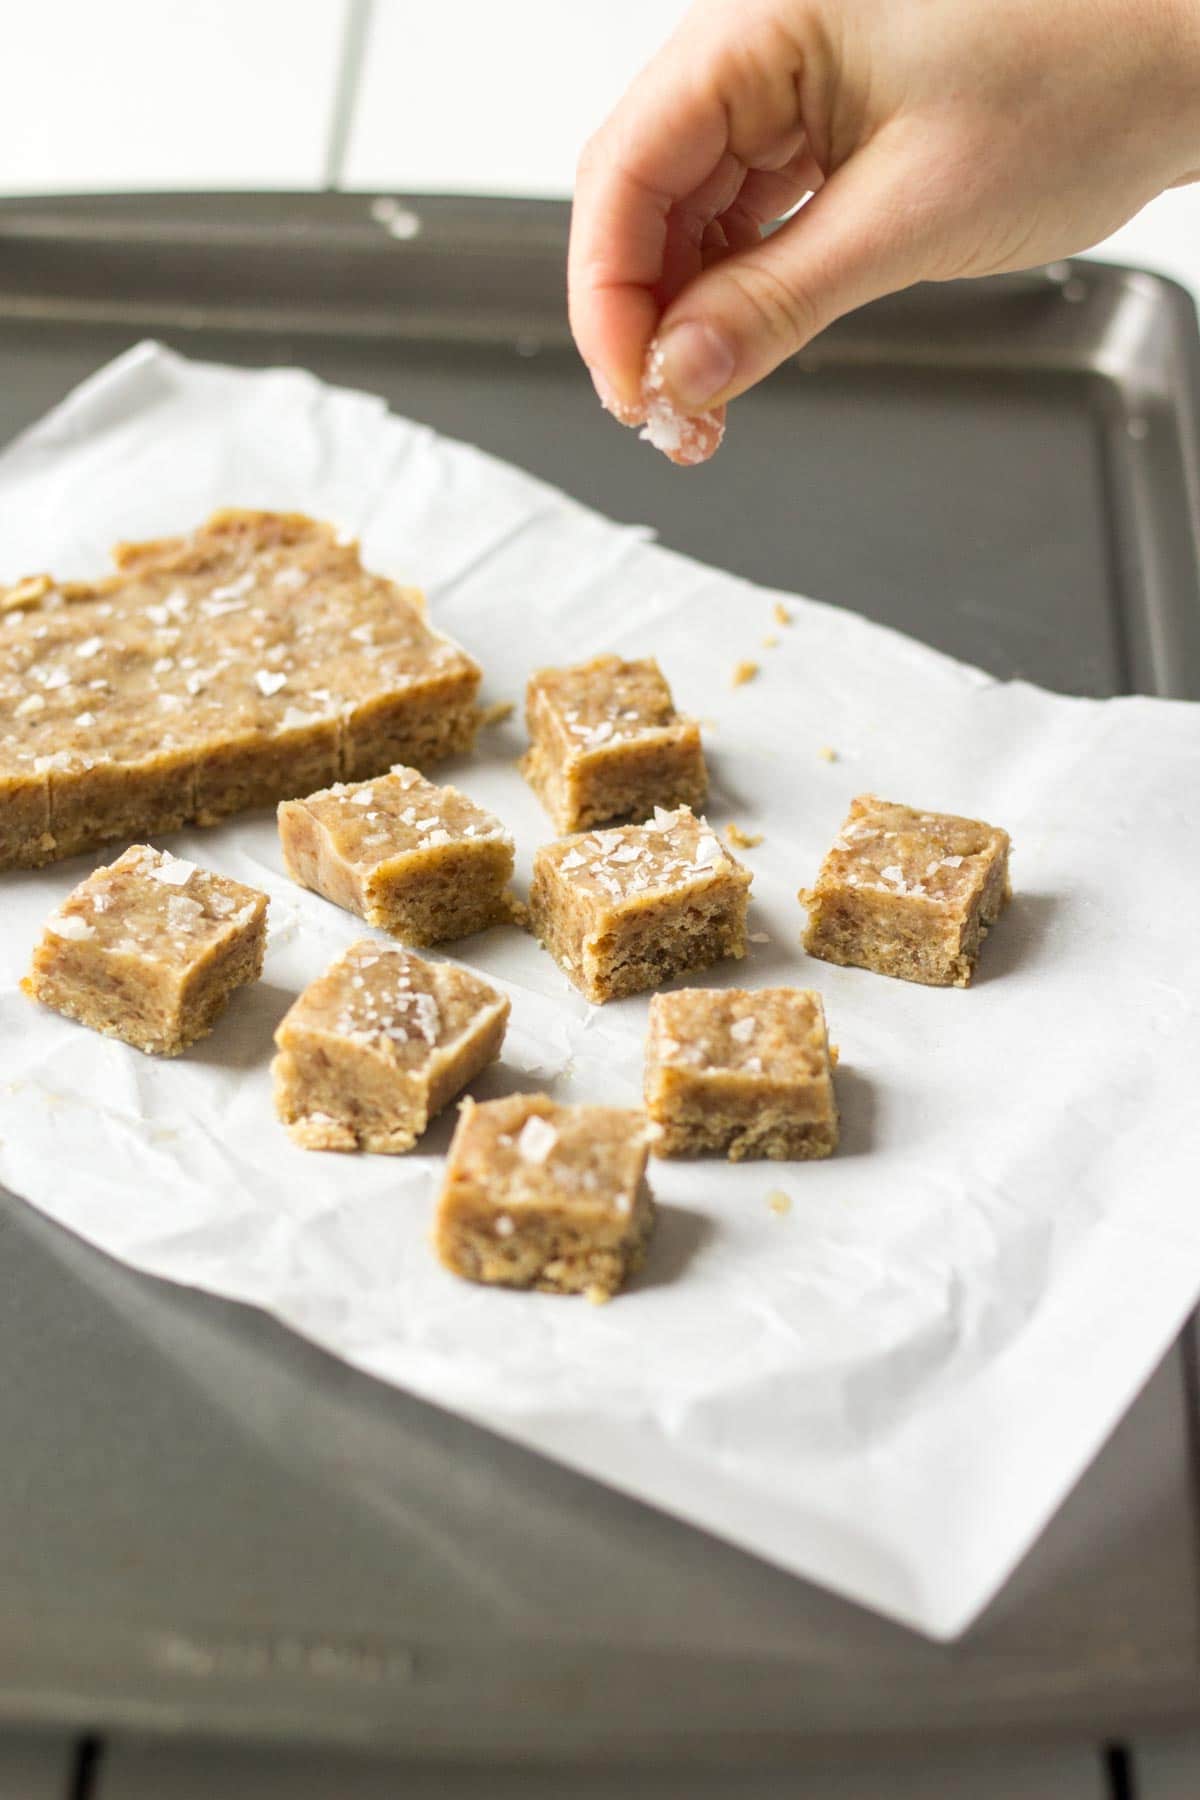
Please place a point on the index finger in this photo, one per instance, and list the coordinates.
(663, 140)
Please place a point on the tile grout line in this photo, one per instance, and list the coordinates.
(356, 35)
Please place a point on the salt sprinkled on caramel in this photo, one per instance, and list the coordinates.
(536, 1139)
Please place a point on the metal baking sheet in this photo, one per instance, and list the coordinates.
(207, 1526)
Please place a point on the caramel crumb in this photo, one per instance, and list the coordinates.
(742, 840)
(770, 641)
(826, 754)
(779, 1202)
(496, 713)
(781, 614)
(597, 1295)
(835, 1053)
(744, 672)
(518, 913)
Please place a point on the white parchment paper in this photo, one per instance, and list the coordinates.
(889, 1388)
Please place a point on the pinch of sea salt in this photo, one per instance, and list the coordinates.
(289, 578)
(536, 1139)
(504, 1226)
(572, 860)
(173, 871)
(101, 902)
(363, 798)
(157, 615)
(708, 851)
(893, 872)
(624, 853)
(233, 590)
(164, 665)
(69, 925)
(742, 1030)
(89, 647)
(952, 862)
(32, 703)
(684, 438)
(84, 719)
(362, 634)
(269, 681)
(55, 679)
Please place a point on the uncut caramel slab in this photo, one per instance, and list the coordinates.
(545, 1196)
(740, 1073)
(149, 949)
(629, 908)
(376, 1046)
(606, 743)
(423, 862)
(247, 662)
(906, 893)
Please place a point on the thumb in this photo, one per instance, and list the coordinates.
(859, 237)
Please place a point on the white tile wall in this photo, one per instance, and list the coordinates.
(475, 96)
(126, 94)
(495, 97)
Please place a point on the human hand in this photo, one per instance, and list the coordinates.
(938, 138)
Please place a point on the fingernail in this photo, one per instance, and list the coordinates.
(696, 364)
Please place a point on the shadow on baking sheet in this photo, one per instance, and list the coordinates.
(495, 1082)
(856, 1111)
(1018, 938)
(243, 1038)
(678, 1235)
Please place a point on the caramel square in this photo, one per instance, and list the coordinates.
(545, 1196)
(420, 861)
(149, 950)
(629, 908)
(739, 1073)
(908, 893)
(378, 1045)
(606, 743)
(252, 660)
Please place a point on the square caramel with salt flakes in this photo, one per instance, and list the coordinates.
(149, 949)
(252, 660)
(739, 1073)
(606, 743)
(629, 908)
(423, 862)
(376, 1046)
(907, 893)
(543, 1196)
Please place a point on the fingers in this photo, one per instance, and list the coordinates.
(860, 236)
(663, 143)
(672, 158)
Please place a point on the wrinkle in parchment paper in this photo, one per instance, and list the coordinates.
(888, 1388)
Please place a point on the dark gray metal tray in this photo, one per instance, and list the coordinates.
(207, 1526)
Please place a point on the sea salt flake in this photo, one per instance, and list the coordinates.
(173, 871)
(85, 719)
(269, 681)
(55, 679)
(504, 1226)
(364, 797)
(32, 703)
(742, 1030)
(536, 1139)
(90, 647)
(69, 925)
